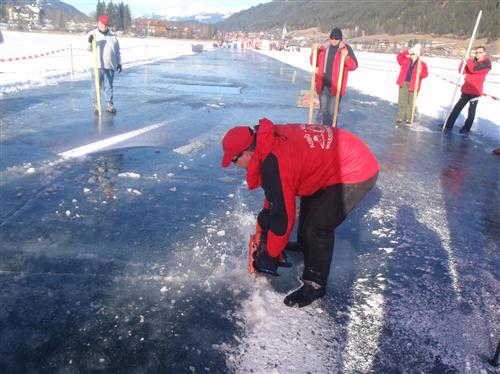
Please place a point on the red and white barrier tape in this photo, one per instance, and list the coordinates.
(32, 56)
(447, 80)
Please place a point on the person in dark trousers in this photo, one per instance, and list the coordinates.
(329, 168)
(328, 64)
(108, 60)
(407, 81)
(475, 73)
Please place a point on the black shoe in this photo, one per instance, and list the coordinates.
(463, 131)
(398, 121)
(305, 295)
(110, 108)
(293, 247)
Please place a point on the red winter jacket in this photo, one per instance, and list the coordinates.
(350, 64)
(475, 74)
(297, 160)
(405, 63)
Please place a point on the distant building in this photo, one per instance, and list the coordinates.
(25, 16)
(150, 26)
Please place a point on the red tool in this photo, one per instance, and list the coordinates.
(254, 248)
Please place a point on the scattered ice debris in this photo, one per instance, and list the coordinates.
(173, 189)
(170, 175)
(134, 191)
(221, 233)
(231, 195)
(30, 170)
(129, 175)
(141, 319)
(68, 213)
(87, 191)
(163, 289)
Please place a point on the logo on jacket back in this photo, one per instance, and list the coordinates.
(318, 136)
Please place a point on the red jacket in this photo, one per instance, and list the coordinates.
(350, 64)
(475, 74)
(297, 160)
(405, 63)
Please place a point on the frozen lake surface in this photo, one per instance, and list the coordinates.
(132, 258)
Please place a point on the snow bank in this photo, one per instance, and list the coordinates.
(377, 74)
(40, 59)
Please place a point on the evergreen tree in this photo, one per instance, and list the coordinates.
(121, 21)
(100, 9)
(111, 13)
(127, 18)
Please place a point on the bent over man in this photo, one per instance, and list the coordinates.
(329, 168)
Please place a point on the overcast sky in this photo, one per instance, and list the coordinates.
(173, 7)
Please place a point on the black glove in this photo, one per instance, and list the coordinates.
(91, 38)
(119, 68)
(263, 262)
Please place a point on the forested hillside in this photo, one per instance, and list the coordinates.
(372, 17)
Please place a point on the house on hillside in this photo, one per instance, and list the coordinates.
(25, 16)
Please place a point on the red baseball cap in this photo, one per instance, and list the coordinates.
(104, 20)
(235, 141)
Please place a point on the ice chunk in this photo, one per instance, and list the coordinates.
(129, 175)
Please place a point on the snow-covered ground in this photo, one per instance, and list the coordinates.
(377, 74)
(34, 65)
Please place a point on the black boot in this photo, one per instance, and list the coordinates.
(293, 247)
(305, 295)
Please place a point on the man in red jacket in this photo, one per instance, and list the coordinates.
(475, 73)
(327, 78)
(329, 168)
(407, 80)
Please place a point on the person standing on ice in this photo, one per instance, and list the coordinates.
(475, 73)
(329, 168)
(109, 60)
(327, 78)
(408, 61)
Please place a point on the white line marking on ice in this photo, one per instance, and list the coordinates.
(97, 146)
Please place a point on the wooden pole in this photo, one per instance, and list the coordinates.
(96, 76)
(467, 53)
(415, 90)
(71, 58)
(313, 81)
(339, 89)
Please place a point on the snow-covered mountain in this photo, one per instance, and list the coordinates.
(202, 17)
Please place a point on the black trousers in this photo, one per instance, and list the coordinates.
(319, 215)
(461, 103)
